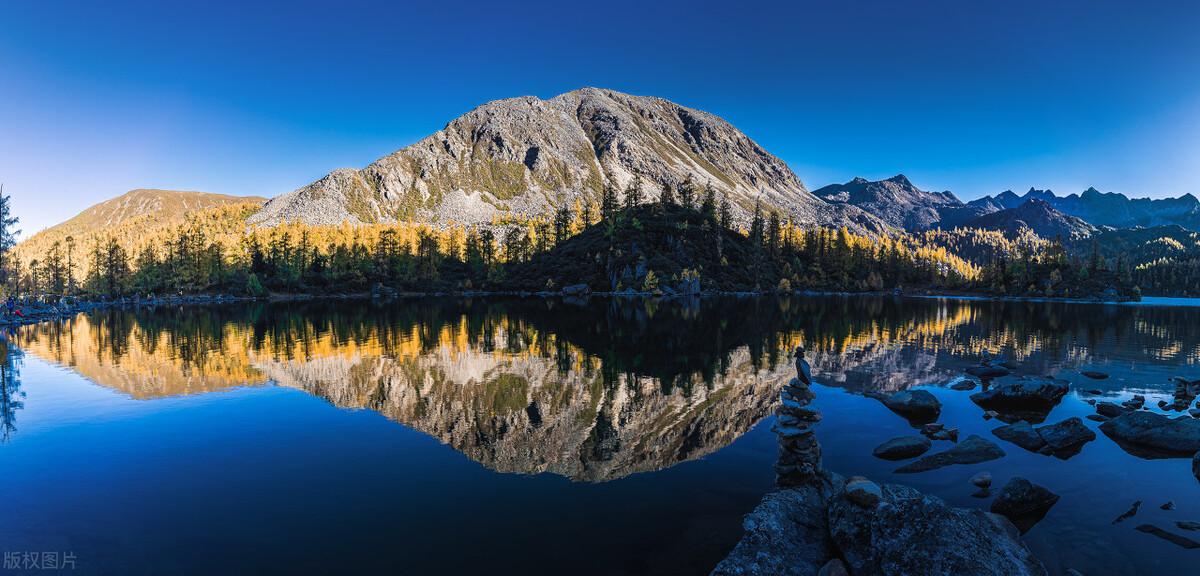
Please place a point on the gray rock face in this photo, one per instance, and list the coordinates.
(903, 447)
(527, 156)
(970, 451)
(1029, 399)
(918, 406)
(914, 534)
(1151, 435)
(1023, 502)
(787, 534)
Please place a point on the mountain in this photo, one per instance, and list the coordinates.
(1106, 208)
(526, 156)
(135, 213)
(896, 201)
(1037, 215)
(1142, 245)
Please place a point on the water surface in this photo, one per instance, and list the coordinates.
(534, 436)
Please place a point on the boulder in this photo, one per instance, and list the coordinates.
(1022, 434)
(1025, 400)
(902, 447)
(970, 451)
(963, 385)
(914, 534)
(1151, 435)
(918, 406)
(1110, 410)
(1094, 374)
(863, 492)
(1023, 502)
(982, 480)
(1066, 438)
(787, 534)
(576, 290)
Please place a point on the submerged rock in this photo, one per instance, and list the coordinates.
(982, 479)
(988, 372)
(1130, 513)
(1095, 375)
(1186, 525)
(1176, 539)
(1151, 435)
(1022, 434)
(963, 385)
(917, 406)
(1026, 400)
(1023, 502)
(902, 447)
(971, 451)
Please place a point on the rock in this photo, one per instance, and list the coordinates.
(902, 447)
(576, 290)
(1151, 435)
(1023, 502)
(1029, 400)
(1130, 513)
(932, 428)
(1135, 403)
(914, 534)
(982, 479)
(1162, 404)
(863, 492)
(834, 567)
(970, 451)
(1066, 438)
(786, 534)
(1095, 375)
(989, 414)
(1168, 506)
(1110, 410)
(988, 372)
(1181, 541)
(1194, 412)
(1097, 418)
(1193, 526)
(917, 406)
(1091, 401)
(1094, 391)
(963, 385)
(1022, 434)
(1072, 572)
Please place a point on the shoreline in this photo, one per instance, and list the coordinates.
(38, 313)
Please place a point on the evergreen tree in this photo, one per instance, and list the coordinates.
(687, 193)
(633, 193)
(8, 234)
(726, 213)
(667, 198)
(608, 203)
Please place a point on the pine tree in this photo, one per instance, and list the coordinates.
(8, 234)
(608, 203)
(633, 193)
(667, 198)
(687, 193)
(708, 207)
(726, 213)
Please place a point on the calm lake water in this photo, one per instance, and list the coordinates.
(537, 437)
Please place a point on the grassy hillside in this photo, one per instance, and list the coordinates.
(135, 215)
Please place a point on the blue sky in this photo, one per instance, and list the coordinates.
(97, 98)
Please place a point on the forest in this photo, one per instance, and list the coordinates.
(685, 240)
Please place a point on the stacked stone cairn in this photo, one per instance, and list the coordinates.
(799, 453)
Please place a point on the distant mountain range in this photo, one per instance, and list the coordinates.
(900, 204)
(527, 156)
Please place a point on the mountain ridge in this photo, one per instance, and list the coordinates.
(527, 156)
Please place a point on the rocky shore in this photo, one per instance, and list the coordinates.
(821, 523)
(33, 311)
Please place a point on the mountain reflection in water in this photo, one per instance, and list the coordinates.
(592, 391)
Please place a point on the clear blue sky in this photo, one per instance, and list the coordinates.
(97, 98)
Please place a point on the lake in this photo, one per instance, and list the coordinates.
(510, 436)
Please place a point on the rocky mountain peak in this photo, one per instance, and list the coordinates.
(527, 156)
